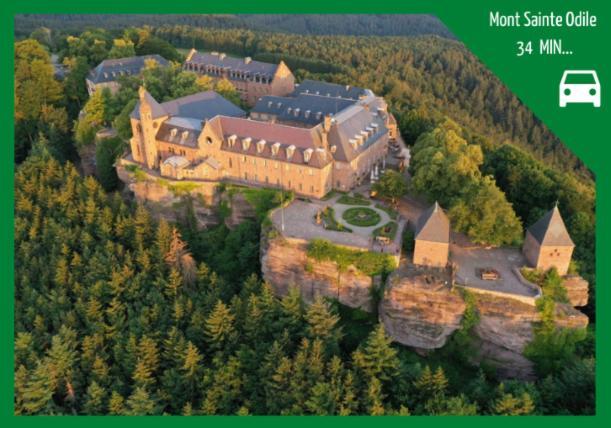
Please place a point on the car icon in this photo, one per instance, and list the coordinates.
(579, 86)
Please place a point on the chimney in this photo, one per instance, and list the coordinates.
(326, 126)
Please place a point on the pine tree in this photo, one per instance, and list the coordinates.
(38, 392)
(376, 357)
(431, 384)
(375, 399)
(95, 400)
(140, 403)
(220, 326)
(322, 324)
(191, 361)
(116, 404)
(510, 405)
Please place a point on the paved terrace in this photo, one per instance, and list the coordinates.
(505, 260)
(299, 222)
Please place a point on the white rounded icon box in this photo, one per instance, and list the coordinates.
(579, 86)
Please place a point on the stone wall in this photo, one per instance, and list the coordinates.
(431, 253)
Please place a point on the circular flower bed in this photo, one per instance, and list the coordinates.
(361, 216)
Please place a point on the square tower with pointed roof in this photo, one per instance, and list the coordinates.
(432, 238)
(548, 243)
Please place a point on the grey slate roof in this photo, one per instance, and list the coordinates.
(235, 64)
(184, 136)
(311, 108)
(202, 106)
(550, 230)
(433, 225)
(349, 123)
(327, 89)
(111, 69)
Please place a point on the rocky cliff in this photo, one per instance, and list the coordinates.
(285, 264)
(506, 326)
(576, 290)
(419, 307)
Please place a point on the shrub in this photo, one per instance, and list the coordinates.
(361, 216)
(389, 230)
(356, 199)
(367, 262)
(329, 222)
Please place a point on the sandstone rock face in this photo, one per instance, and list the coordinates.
(576, 289)
(240, 210)
(507, 326)
(419, 307)
(504, 330)
(420, 313)
(284, 263)
(163, 202)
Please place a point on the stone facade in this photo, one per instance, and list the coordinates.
(432, 238)
(429, 253)
(547, 243)
(204, 137)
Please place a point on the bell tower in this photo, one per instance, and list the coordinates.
(151, 115)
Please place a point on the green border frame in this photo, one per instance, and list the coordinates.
(532, 79)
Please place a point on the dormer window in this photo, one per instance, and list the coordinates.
(260, 146)
(307, 155)
(290, 150)
(184, 136)
(269, 104)
(173, 133)
(353, 143)
(333, 148)
(318, 115)
(246, 143)
(275, 148)
(307, 114)
(232, 139)
(289, 110)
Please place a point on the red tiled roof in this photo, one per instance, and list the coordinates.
(270, 132)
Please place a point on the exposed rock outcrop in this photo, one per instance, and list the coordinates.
(420, 309)
(506, 327)
(576, 290)
(241, 210)
(284, 263)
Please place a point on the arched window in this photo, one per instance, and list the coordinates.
(208, 140)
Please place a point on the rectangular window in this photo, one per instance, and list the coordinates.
(300, 187)
(230, 163)
(275, 165)
(311, 171)
(244, 159)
